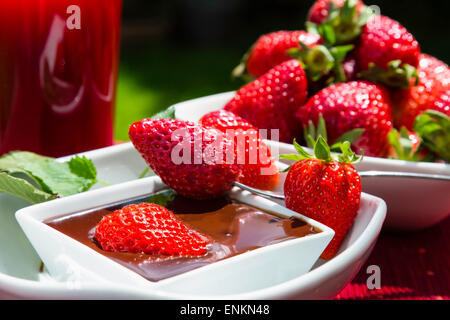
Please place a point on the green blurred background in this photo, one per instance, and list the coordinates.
(182, 49)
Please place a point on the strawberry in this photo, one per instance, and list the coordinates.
(320, 10)
(433, 128)
(338, 21)
(324, 189)
(192, 160)
(270, 101)
(353, 105)
(151, 229)
(259, 172)
(270, 50)
(430, 92)
(387, 52)
(406, 145)
(442, 102)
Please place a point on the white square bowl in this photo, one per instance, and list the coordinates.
(71, 261)
(413, 204)
(20, 277)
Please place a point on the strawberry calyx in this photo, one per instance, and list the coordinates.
(322, 152)
(320, 61)
(343, 25)
(397, 74)
(433, 128)
(406, 145)
(311, 133)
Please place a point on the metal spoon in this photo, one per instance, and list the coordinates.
(391, 174)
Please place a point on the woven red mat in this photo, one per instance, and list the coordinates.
(414, 265)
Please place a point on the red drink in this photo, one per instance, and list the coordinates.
(58, 72)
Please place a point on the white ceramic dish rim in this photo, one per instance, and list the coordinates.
(19, 287)
(399, 165)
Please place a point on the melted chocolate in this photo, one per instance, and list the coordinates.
(234, 227)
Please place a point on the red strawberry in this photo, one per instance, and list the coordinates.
(270, 101)
(151, 229)
(442, 102)
(259, 172)
(353, 105)
(406, 145)
(320, 10)
(190, 159)
(434, 81)
(270, 50)
(325, 190)
(338, 21)
(224, 120)
(387, 52)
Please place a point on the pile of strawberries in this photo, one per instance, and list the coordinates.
(354, 80)
(359, 70)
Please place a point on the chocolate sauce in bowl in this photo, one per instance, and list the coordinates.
(234, 227)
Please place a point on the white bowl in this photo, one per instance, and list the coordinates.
(69, 260)
(413, 204)
(20, 277)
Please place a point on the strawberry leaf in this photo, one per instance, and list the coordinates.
(322, 150)
(23, 189)
(300, 150)
(168, 113)
(350, 136)
(433, 128)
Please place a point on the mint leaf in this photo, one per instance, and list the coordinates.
(23, 189)
(53, 177)
(83, 167)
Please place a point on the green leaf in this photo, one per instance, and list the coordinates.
(312, 27)
(23, 189)
(327, 33)
(300, 150)
(57, 178)
(350, 136)
(168, 113)
(348, 11)
(162, 198)
(322, 150)
(433, 128)
(293, 157)
(321, 127)
(83, 167)
(340, 52)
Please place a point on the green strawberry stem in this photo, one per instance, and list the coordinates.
(320, 61)
(311, 133)
(343, 25)
(397, 75)
(433, 128)
(322, 152)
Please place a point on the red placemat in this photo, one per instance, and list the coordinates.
(413, 265)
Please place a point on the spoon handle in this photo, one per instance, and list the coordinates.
(373, 173)
(265, 194)
(394, 174)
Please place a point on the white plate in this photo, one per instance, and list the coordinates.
(412, 203)
(19, 263)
